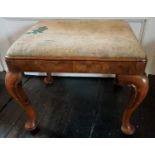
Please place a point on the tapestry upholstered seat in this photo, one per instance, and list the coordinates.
(78, 38)
(78, 46)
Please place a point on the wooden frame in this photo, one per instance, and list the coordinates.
(128, 71)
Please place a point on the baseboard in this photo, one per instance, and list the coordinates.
(71, 74)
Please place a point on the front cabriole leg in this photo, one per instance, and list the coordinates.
(14, 86)
(140, 84)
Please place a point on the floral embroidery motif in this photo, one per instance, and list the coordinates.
(38, 30)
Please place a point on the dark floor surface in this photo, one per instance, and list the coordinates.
(76, 107)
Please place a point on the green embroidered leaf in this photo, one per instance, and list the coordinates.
(38, 30)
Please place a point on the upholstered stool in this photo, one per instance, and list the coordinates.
(78, 46)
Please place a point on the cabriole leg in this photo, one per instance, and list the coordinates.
(140, 84)
(48, 79)
(14, 86)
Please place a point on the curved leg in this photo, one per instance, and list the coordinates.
(48, 79)
(14, 86)
(140, 84)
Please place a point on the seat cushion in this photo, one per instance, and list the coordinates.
(78, 38)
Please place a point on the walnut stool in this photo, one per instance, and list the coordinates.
(78, 46)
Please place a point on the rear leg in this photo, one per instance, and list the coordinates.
(48, 79)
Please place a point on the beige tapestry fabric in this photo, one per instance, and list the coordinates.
(78, 38)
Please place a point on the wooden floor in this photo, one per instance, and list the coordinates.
(76, 107)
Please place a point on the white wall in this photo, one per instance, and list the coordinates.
(148, 43)
(12, 28)
(1, 65)
(4, 42)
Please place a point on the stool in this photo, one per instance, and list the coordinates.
(78, 46)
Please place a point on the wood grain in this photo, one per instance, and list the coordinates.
(108, 67)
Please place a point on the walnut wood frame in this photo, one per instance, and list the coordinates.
(128, 71)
